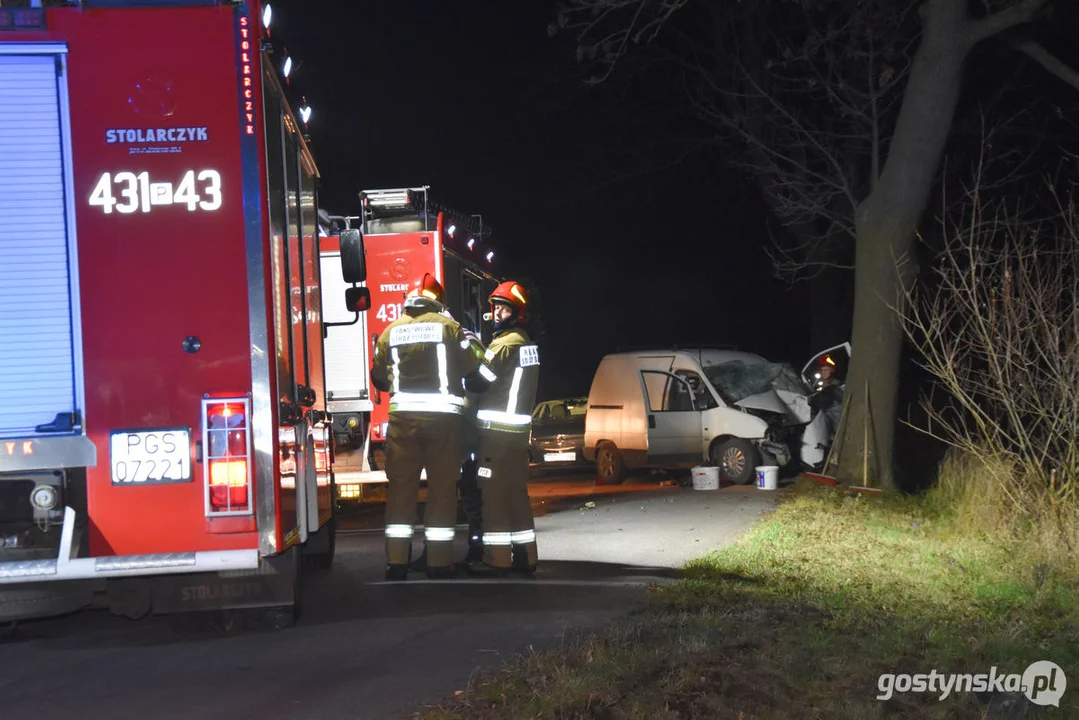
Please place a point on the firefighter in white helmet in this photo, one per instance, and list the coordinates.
(505, 422)
(424, 361)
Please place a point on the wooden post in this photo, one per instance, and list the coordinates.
(865, 439)
(832, 449)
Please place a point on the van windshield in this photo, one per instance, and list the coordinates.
(737, 380)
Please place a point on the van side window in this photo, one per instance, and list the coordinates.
(702, 396)
(666, 393)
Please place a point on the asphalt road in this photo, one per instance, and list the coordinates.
(365, 648)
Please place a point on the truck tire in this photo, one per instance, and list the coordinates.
(609, 464)
(736, 458)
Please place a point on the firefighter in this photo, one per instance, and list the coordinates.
(505, 422)
(424, 361)
(471, 503)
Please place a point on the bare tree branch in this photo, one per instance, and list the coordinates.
(809, 93)
(1021, 12)
(997, 325)
(1052, 64)
(587, 16)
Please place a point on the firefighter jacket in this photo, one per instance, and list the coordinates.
(507, 404)
(422, 360)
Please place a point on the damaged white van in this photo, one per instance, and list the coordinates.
(682, 408)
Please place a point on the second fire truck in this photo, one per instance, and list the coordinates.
(405, 235)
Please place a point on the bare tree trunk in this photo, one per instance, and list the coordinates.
(886, 226)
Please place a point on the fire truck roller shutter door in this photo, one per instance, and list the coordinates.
(34, 199)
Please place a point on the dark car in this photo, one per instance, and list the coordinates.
(558, 433)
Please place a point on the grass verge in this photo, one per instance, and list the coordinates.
(802, 616)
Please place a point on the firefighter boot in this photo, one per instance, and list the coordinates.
(438, 573)
(397, 573)
(521, 563)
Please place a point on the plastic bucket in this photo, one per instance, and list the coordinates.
(706, 478)
(767, 477)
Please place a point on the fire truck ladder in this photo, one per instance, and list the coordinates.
(394, 202)
(416, 202)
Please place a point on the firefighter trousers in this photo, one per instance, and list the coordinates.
(508, 524)
(417, 441)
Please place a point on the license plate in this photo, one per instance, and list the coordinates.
(559, 457)
(147, 457)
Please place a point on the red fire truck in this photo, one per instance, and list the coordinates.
(405, 235)
(164, 440)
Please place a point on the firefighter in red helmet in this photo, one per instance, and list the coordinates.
(425, 362)
(505, 422)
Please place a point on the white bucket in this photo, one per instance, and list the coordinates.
(706, 478)
(767, 477)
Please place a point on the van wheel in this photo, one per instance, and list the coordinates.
(609, 465)
(737, 460)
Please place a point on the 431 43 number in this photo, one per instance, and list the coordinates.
(198, 190)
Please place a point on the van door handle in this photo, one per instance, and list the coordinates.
(652, 422)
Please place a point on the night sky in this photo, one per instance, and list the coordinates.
(629, 243)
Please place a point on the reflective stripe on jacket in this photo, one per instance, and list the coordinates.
(507, 405)
(421, 359)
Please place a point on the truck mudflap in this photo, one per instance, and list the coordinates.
(275, 584)
(65, 567)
